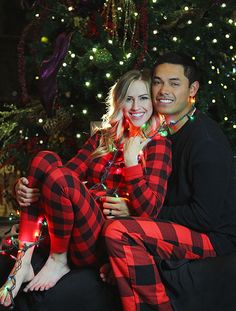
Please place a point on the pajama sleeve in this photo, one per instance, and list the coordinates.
(147, 183)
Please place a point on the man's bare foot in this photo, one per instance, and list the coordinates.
(53, 270)
(14, 282)
(106, 274)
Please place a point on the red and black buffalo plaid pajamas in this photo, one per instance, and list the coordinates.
(73, 210)
(135, 247)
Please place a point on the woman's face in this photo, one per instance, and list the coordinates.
(137, 104)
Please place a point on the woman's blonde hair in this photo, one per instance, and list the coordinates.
(114, 127)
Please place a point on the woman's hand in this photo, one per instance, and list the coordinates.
(132, 148)
(25, 195)
(115, 206)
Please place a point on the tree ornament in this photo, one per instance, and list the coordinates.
(44, 39)
(58, 123)
(120, 19)
(102, 57)
(49, 70)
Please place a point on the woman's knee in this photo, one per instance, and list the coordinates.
(59, 179)
(46, 157)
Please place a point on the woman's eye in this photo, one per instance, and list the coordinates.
(128, 99)
(144, 97)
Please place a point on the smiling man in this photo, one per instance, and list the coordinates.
(198, 218)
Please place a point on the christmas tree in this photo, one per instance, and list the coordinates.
(72, 51)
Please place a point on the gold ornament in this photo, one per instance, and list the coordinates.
(121, 19)
(56, 124)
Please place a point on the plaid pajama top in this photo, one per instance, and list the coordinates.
(144, 185)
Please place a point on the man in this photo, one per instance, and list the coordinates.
(198, 218)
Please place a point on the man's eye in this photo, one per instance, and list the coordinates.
(156, 82)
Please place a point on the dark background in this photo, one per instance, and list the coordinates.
(12, 22)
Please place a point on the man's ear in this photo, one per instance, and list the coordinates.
(194, 88)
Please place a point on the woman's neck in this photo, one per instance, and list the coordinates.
(134, 131)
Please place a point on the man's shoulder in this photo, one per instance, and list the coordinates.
(206, 128)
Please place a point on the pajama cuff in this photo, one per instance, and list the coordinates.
(29, 230)
(59, 244)
(133, 172)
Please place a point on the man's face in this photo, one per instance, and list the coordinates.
(171, 90)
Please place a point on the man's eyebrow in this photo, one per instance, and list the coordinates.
(171, 79)
(174, 79)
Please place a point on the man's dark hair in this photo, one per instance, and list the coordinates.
(191, 70)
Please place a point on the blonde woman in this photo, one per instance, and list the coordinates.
(122, 170)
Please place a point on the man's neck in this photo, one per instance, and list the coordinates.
(175, 128)
(175, 125)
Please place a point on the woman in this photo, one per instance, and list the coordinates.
(121, 170)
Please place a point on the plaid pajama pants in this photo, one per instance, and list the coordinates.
(74, 218)
(136, 245)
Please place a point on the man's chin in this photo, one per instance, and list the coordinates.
(164, 110)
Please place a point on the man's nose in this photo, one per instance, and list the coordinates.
(164, 89)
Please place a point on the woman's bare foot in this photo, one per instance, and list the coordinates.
(15, 280)
(53, 270)
(106, 274)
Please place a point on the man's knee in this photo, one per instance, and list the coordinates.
(113, 229)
